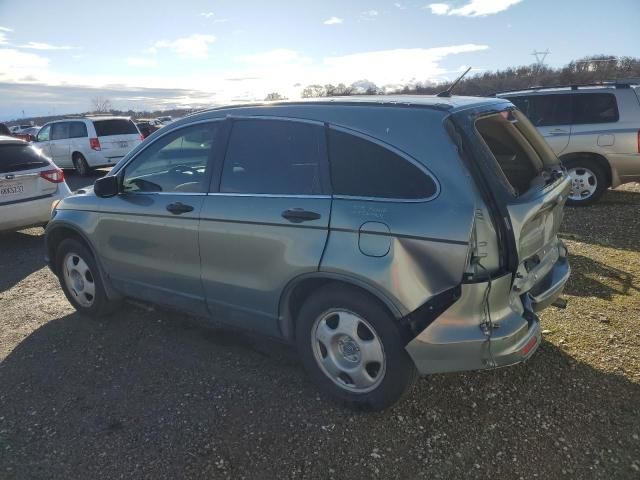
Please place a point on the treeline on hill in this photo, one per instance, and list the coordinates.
(598, 68)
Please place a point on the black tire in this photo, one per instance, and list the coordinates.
(399, 370)
(600, 177)
(100, 304)
(81, 165)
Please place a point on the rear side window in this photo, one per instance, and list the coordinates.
(14, 158)
(362, 168)
(77, 130)
(59, 131)
(545, 110)
(274, 157)
(106, 128)
(595, 108)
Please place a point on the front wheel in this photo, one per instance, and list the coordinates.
(80, 279)
(353, 349)
(588, 182)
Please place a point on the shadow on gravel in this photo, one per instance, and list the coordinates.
(590, 278)
(153, 395)
(18, 258)
(613, 222)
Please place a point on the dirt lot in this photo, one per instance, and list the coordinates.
(158, 395)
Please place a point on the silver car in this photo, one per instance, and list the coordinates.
(594, 129)
(383, 237)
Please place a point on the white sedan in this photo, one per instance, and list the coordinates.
(29, 185)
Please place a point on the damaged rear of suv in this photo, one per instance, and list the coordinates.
(384, 237)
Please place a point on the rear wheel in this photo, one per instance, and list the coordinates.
(81, 165)
(80, 279)
(588, 181)
(352, 348)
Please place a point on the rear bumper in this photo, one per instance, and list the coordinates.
(462, 339)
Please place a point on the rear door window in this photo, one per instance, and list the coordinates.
(274, 157)
(77, 130)
(119, 126)
(362, 168)
(15, 157)
(60, 131)
(595, 108)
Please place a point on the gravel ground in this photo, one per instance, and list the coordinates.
(151, 394)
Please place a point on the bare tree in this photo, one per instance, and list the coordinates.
(273, 96)
(101, 104)
(314, 91)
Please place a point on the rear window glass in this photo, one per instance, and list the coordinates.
(14, 158)
(362, 168)
(515, 156)
(106, 128)
(595, 108)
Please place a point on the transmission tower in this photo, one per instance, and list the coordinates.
(540, 58)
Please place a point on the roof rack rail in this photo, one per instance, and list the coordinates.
(626, 83)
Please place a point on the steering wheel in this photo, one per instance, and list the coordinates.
(183, 169)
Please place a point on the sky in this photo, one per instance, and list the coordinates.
(56, 56)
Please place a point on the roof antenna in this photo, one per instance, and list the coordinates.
(447, 92)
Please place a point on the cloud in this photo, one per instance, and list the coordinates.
(6, 29)
(17, 64)
(195, 46)
(400, 6)
(45, 46)
(439, 8)
(394, 66)
(275, 58)
(213, 17)
(141, 62)
(370, 14)
(333, 21)
(474, 8)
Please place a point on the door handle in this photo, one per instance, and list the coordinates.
(558, 131)
(179, 208)
(298, 215)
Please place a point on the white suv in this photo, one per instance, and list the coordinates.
(594, 130)
(88, 142)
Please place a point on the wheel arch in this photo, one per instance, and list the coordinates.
(301, 287)
(56, 234)
(600, 160)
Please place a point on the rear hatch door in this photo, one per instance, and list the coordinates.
(524, 182)
(20, 180)
(117, 136)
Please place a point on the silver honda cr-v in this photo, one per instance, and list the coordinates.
(383, 236)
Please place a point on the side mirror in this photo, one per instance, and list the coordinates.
(106, 187)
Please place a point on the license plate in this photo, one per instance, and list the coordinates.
(124, 144)
(11, 189)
